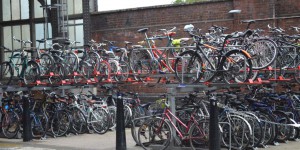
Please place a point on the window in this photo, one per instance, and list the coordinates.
(76, 31)
(40, 34)
(15, 9)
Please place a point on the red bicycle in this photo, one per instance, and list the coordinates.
(159, 130)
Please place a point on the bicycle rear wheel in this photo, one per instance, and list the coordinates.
(199, 134)
(32, 72)
(155, 131)
(6, 73)
(10, 124)
(99, 120)
(237, 66)
(188, 68)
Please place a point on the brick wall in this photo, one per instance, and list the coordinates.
(122, 25)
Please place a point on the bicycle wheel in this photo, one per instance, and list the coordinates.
(269, 129)
(264, 51)
(39, 125)
(10, 124)
(257, 130)
(104, 70)
(85, 71)
(72, 61)
(94, 59)
(297, 73)
(112, 111)
(240, 130)
(284, 130)
(79, 124)
(172, 54)
(127, 115)
(237, 66)
(139, 61)
(6, 73)
(32, 72)
(46, 64)
(188, 68)
(60, 123)
(99, 120)
(155, 131)
(123, 72)
(199, 134)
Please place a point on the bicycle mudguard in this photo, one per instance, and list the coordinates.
(246, 53)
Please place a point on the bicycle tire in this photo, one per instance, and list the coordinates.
(46, 64)
(192, 71)
(79, 123)
(104, 70)
(139, 61)
(128, 115)
(94, 59)
(269, 129)
(123, 72)
(60, 123)
(199, 134)
(72, 61)
(10, 124)
(264, 51)
(297, 73)
(238, 140)
(156, 128)
(237, 66)
(85, 71)
(39, 125)
(99, 120)
(284, 131)
(7, 73)
(32, 72)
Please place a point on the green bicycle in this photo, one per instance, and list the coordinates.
(19, 67)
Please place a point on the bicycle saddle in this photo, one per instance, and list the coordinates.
(41, 41)
(248, 21)
(127, 42)
(143, 30)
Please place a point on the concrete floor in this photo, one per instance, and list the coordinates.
(95, 142)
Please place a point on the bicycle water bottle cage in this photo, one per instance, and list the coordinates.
(143, 30)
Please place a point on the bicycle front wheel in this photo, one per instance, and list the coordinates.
(188, 67)
(155, 131)
(60, 123)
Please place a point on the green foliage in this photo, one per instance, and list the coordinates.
(188, 1)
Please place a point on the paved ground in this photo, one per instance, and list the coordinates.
(94, 142)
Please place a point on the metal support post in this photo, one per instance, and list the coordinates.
(1, 96)
(120, 130)
(26, 120)
(214, 131)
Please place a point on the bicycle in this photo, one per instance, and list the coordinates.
(152, 60)
(26, 70)
(159, 130)
(232, 66)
